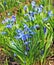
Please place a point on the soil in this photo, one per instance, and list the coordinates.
(3, 58)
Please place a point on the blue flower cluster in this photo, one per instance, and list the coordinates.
(31, 14)
(36, 10)
(11, 20)
(25, 35)
(26, 32)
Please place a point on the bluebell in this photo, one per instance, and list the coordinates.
(8, 26)
(44, 29)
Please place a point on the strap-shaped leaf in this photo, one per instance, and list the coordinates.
(2, 6)
(49, 42)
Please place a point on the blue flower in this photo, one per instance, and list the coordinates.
(25, 26)
(19, 34)
(31, 16)
(7, 19)
(14, 55)
(33, 3)
(23, 37)
(26, 29)
(8, 26)
(26, 43)
(28, 36)
(31, 13)
(44, 29)
(50, 13)
(18, 31)
(27, 48)
(25, 7)
(13, 18)
(41, 6)
(39, 10)
(3, 33)
(36, 26)
(45, 19)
